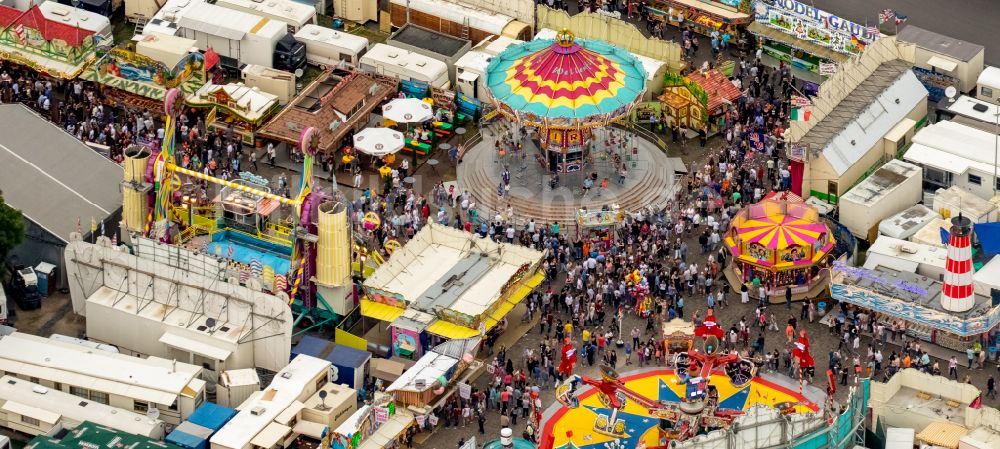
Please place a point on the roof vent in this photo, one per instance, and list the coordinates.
(39, 389)
(393, 55)
(286, 375)
(12, 381)
(257, 411)
(83, 403)
(908, 249)
(60, 11)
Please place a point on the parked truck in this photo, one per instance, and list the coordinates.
(239, 38)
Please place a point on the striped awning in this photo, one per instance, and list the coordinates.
(943, 434)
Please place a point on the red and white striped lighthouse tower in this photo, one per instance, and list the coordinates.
(957, 294)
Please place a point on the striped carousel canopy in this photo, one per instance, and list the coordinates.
(567, 79)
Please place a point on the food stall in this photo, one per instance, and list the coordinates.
(596, 229)
(703, 16)
(806, 37)
(242, 107)
(678, 335)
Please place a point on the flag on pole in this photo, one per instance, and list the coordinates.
(900, 19)
(857, 42)
(800, 115)
(872, 30)
(93, 225)
(886, 15)
(102, 229)
(79, 227)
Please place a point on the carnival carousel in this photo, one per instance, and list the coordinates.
(565, 89)
(704, 389)
(781, 243)
(559, 128)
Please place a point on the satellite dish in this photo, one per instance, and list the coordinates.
(298, 73)
(152, 412)
(334, 373)
(322, 398)
(950, 92)
(210, 322)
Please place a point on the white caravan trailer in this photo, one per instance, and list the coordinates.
(327, 46)
(406, 65)
(294, 14)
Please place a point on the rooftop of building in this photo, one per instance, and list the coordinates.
(866, 114)
(434, 41)
(939, 43)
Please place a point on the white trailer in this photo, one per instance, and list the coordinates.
(470, 72)
(243, 37)
(295, 15)
(894, 187)
(275, 82)
(327, 46)
(142, 10)
(406, 65)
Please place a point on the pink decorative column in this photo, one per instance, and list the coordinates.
(957, 292)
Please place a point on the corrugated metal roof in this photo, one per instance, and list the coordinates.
(142, 379)
(866, 114)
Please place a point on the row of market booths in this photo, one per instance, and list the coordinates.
(430, 308)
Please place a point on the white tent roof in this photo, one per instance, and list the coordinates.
(953, 147)
(437, 251)
(874, 122)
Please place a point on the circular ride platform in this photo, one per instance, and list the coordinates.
(649, 180)
(569, 428)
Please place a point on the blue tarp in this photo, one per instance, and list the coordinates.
(988, 235)
(346, 356)
(212, 416)
(313, 346)
(186, 440)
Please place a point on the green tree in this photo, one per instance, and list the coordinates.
(11, 230)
